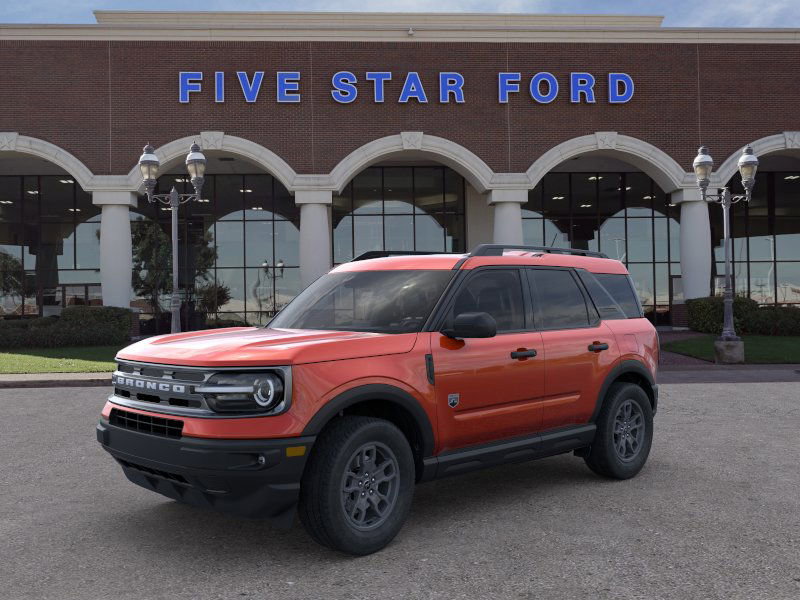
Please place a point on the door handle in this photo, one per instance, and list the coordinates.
(597, 347)
(521, 354)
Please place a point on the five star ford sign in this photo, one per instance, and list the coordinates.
(543, 87)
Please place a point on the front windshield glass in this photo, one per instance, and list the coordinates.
(375, 301)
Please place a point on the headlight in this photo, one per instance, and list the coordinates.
(244, 393)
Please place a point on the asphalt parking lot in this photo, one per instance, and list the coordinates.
(714, 514)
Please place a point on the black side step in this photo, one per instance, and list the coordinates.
(530, 447)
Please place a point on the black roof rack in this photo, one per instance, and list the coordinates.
(498, 249)
(385, 253)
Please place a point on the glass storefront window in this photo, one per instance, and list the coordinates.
(49, 245)
(624, 215)
(399, 209)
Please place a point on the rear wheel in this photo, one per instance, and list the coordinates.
(624, 433)
(357, 488)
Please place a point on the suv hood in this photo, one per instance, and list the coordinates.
(256, 346)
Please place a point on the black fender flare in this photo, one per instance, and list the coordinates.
(375, 391)
(626, 366)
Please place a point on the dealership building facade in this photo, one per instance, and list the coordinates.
(329, 135)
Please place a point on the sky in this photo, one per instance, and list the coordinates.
(678, 13)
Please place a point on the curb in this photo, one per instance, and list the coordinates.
(100, 381)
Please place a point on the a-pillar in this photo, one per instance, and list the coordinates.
(695, 243)
(116, 256)
(315, 233)
(507, 206)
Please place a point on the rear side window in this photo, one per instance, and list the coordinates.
(605, 304)
(621, 290)
(560, 302)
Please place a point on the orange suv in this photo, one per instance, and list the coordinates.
(386, 372)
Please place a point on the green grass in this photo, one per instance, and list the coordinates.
(758, 349)
(86, 359)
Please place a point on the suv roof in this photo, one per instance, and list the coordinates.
(487, 255)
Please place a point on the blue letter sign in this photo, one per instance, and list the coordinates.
(506, 83)
(451, 83)
(344, 89)
(615, 80)
(188, 81)
(543, 86)
(288, 86)
(412, 88)
(250, 89)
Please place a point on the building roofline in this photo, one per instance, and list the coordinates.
(387, 27)
(344, 19)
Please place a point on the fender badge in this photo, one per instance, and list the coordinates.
(452, 400)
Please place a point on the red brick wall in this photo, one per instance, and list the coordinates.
(102, 101)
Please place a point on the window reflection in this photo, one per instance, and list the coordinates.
(233, 248)
(49, 246)
(399, 209)
(624, 215)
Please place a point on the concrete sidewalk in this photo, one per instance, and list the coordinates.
(46, 380)
(668, 373)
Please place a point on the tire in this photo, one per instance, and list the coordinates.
(342, 505)
(626, 410)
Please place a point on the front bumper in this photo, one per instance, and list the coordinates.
(250, 478)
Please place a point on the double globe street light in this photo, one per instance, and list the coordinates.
(196, 165)
(728, 347)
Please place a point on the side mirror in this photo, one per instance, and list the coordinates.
(472, 325)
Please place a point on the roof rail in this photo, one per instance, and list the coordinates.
(385, 253)
(498, 249)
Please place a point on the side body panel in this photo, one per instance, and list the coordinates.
(637, 340)
(574, 374)
(497, 396)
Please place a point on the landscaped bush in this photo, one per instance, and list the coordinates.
(706, 314)
(782, 320)
(77, 326)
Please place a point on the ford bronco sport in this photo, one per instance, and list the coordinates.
(386, 372)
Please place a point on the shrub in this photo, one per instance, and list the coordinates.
(77, 326)
(783, 320)
(706, 314)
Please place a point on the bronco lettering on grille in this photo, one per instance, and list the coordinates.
(148, 385)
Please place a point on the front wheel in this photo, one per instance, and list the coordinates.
(624, 433)
(356, 491)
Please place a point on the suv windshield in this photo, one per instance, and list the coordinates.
(375, 301)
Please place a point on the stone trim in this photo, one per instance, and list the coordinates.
(651, 160)
(448, 153)
(11, 141)
(788, 140)
(218, 140)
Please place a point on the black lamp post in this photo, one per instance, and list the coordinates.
(196, 165)
(703, 165)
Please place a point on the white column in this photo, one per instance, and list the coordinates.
(315, 233)
(116, 256)
(695, 243)
(508, 215)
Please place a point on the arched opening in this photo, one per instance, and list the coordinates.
(407, 192)
(765, 233)
(49, 238)
(238, 247)
(598, 202)
(400, 205)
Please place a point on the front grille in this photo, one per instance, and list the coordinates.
(171, 428)
(157, 472)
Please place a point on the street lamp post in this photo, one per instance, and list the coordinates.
(703, 165)
(196, 165)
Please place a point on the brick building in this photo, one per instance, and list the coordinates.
(328, 135)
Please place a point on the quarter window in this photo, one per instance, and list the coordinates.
(621, 290)
(561, 302)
